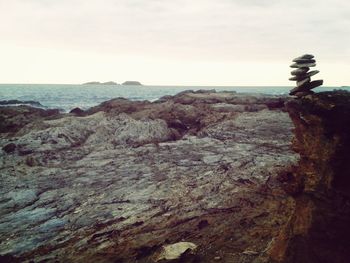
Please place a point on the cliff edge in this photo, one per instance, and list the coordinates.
(318, 230)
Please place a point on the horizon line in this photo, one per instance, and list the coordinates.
(164, 85)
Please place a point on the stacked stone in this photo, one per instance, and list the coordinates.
(302, 75)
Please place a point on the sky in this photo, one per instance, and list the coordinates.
(172, 42)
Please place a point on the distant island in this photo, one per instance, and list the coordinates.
(131, 82)
(100, 83)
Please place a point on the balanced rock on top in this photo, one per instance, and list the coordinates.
(302, 75)
(305, 56)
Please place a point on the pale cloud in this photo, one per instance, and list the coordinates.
(193, 32)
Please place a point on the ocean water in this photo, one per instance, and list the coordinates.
(67, 97)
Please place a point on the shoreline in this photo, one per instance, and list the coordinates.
(38, 104)
(68, 97)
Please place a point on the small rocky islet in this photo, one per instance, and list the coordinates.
(302, 75)
(132, 83)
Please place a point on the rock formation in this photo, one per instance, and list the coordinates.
(302, 75)
(77, 111)
(318, 230)
(129, 179)
(199, 176)
(12, 118)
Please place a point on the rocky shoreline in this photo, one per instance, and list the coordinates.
(121, 180)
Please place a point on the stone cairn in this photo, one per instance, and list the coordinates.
(302, 75)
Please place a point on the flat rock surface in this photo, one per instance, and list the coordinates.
(305, 56)
(128, 178)
(303, 65)
(299, 71)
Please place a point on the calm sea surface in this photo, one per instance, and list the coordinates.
(67, 97)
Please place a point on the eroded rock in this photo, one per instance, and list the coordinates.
(130, 177)
(318, 231)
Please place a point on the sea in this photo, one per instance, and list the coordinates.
(68, 96)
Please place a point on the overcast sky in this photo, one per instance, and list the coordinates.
(180, 42)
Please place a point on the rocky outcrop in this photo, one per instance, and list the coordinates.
(77, 111)
(128, 179)
(12, 118)
(196, 177)
(318, 230)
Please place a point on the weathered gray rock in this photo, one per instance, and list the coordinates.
(130, 177)
(304, 65)
(304, 76)
(298, 78)
(301, 86)
(300, 71)
(302, 83)
(15, 118)
(304, 61)
(226, 107)
(312, 73)
(175, 251)
(305, 56)
(313, 84)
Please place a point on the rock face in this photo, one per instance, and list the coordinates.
(302, 76)
(14, 118)
(318, 230)
(129, 178)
